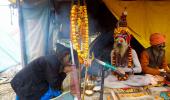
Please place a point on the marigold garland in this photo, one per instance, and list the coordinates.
(79, 30)
(129, 58)
(129, 65)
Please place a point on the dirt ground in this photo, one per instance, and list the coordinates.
(6, 92)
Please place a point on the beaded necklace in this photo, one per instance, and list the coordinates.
(125, 77)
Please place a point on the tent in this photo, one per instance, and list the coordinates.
(9, 37)
(144, 17)
(43, 22)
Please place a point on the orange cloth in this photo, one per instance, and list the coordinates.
(149, 70)
(157, 38)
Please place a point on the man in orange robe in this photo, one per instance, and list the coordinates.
(153, 60)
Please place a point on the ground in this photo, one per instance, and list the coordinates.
(6, 92)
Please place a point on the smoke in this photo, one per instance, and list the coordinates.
(62, 16)
(100, 20)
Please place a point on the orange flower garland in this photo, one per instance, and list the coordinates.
(129, 65)
(129, 58)
(79, 31)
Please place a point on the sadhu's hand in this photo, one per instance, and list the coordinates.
(120, 71)
(87, 62)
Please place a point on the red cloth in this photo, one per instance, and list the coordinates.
(157, 38)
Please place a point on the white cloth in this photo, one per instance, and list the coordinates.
(112, 82)
(136, 68)
(133, 80)
(136, 64)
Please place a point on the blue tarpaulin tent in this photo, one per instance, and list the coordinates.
(9, 37)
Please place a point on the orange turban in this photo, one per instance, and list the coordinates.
(157, 38)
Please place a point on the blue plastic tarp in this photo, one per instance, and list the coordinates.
(9, 38)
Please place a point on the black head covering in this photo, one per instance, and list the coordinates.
(62, 51)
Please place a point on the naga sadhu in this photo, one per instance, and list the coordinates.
(123, 56)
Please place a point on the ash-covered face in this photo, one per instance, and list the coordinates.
(120, 41)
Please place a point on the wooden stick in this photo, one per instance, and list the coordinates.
(85, 80)
(114, 95)
(74, 75)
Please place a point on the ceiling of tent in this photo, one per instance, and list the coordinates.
(144, 17)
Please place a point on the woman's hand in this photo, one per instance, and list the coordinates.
(87, 62)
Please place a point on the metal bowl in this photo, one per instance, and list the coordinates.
(90, 86)
(89, 92)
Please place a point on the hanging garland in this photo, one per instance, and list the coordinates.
(79, 31)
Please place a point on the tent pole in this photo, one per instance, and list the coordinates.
(22, 35)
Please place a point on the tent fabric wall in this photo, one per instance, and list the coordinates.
(9, 37)
(144, 18)
(35, 29)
